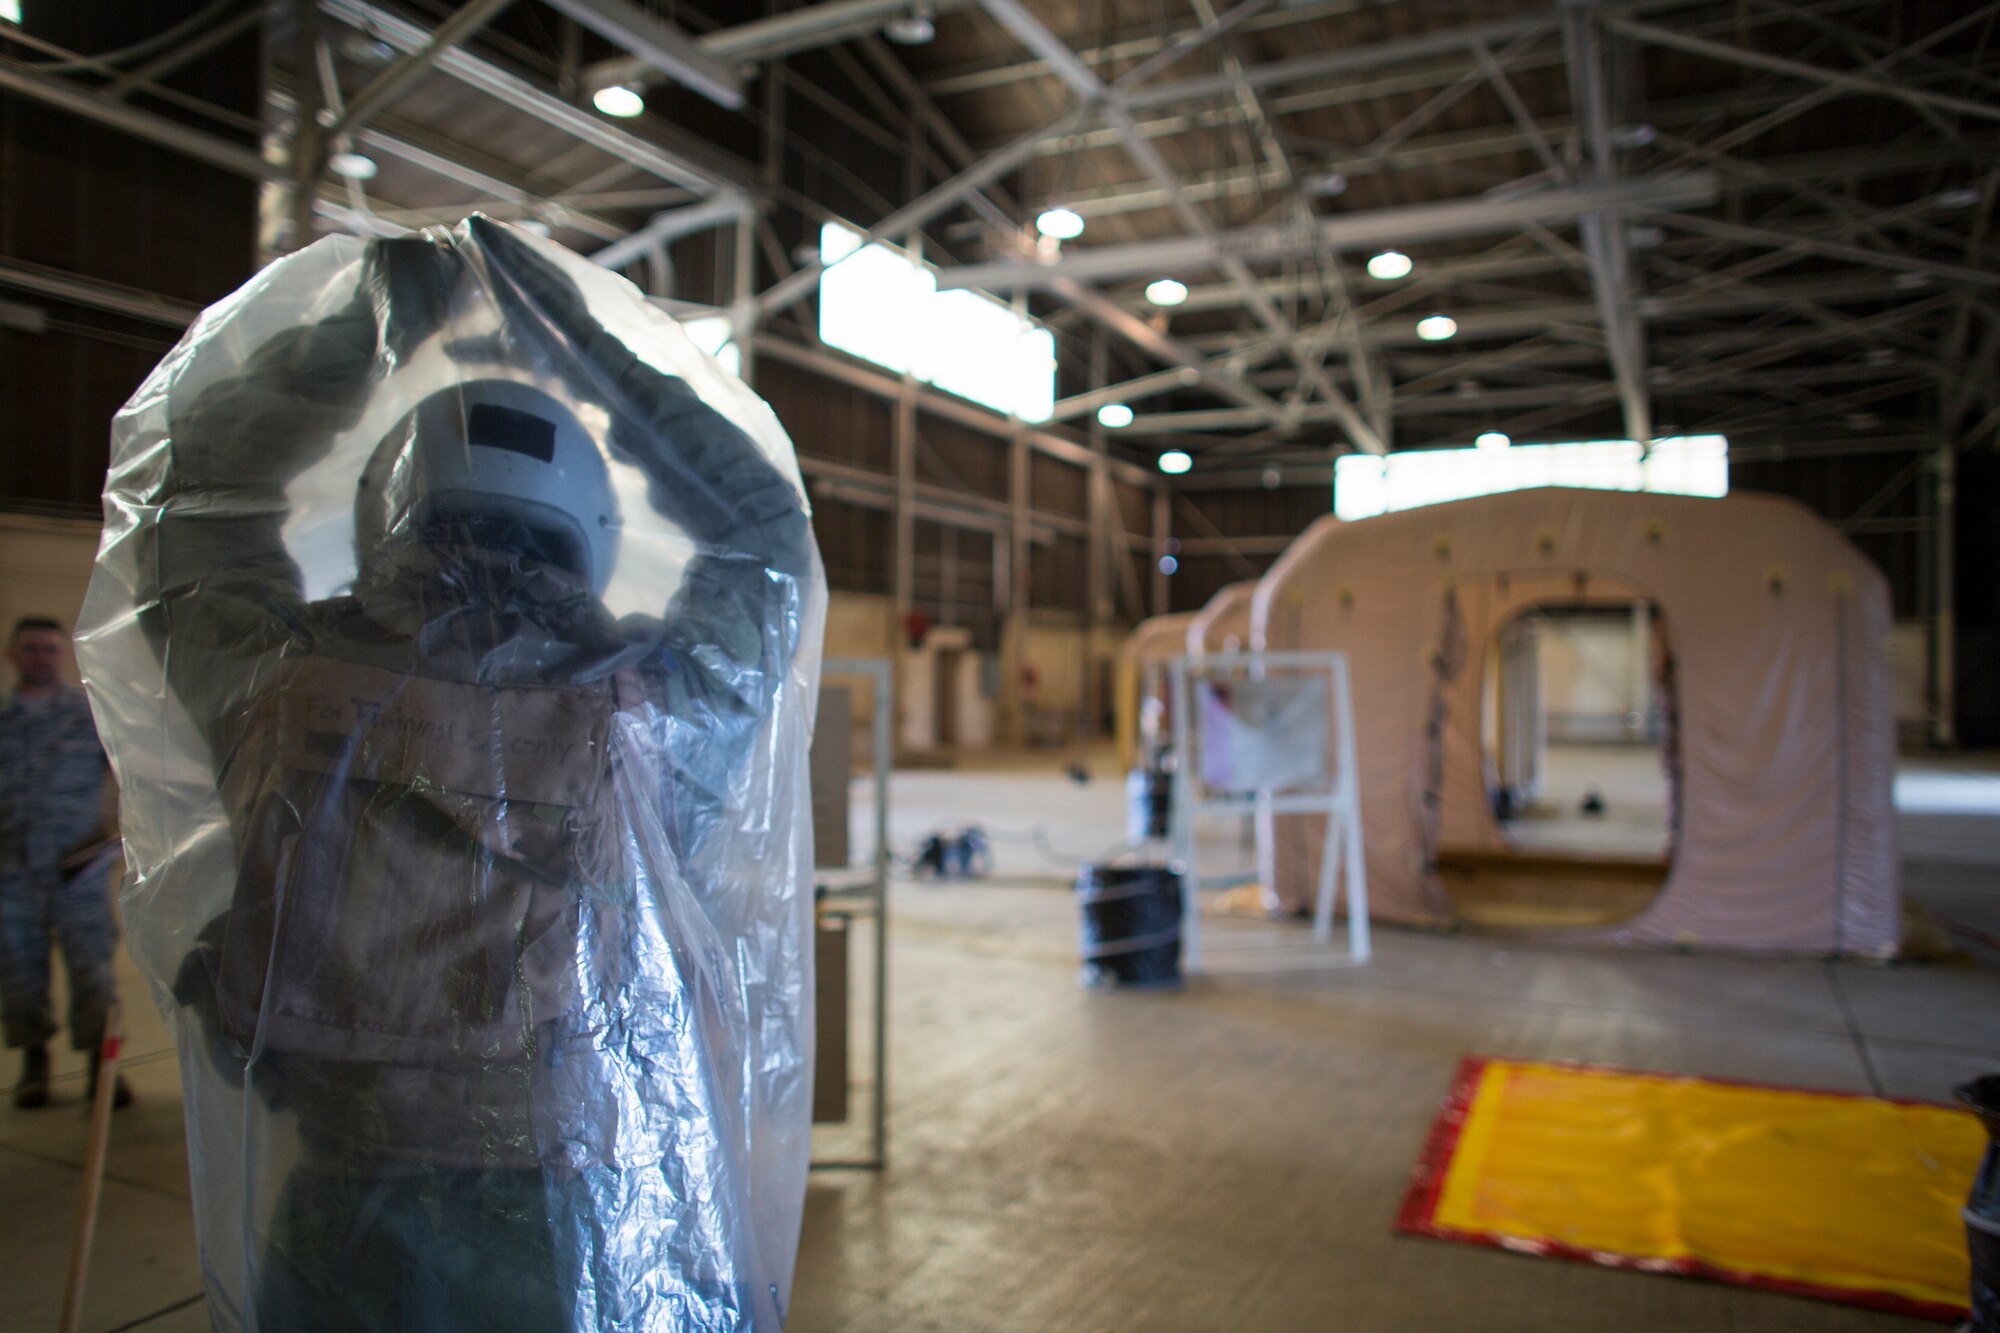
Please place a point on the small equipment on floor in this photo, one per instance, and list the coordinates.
(954, 854)
(1131, 927)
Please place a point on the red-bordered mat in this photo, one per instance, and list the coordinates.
(1462, 1195)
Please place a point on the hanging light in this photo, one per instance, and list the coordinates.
(1168, 564)
(1060, 223)
(1436, 328)
(1493, 439)
(1115, 415)
(1174, 462)
(914, 28)
(619, 101)
(1390, 265)
(352, 166)
(1166, 292)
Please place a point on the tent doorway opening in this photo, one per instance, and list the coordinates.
(1576, 734)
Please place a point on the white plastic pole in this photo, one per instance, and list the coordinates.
(1348, 790)
(1184, 853)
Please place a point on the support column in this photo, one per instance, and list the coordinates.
(743, 294)
(1097, 503)
(1944, 623)
(308, 155)
(904, 445)
(1014, 625)
(1642, 660)
(1162, 529)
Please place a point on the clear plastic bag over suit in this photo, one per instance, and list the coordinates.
(455, 637)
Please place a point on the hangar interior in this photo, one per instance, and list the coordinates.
(1080, 317)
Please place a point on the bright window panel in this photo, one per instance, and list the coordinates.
(715, 335)
(1365, 485)
(884, 307)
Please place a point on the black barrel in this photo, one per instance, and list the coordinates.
(1149, 796)
(1131, 930)
(1982, 1210)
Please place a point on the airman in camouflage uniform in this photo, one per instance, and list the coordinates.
(53, 873)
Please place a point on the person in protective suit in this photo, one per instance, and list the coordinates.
(516, 1062)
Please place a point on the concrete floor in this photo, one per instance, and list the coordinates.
(1228, 1157)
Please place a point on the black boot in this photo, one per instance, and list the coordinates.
(121, 1095)
(32, 1092)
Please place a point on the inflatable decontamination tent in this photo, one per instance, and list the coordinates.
(1783, 741)
(1223, 625)
(1142, 668)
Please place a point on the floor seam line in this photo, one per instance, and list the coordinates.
(160, 1313)
(49, 1160)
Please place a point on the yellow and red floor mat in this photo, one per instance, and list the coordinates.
(1833, 1195)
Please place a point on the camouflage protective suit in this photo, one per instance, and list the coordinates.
(498, 951)
(51, 788)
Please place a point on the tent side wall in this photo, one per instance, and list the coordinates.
(1786, 722)
(1223, 625)
(1152, 643)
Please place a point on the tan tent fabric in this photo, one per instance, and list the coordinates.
(1158, 640)
(1785, 725)
(1153, 643)
(1223, 626)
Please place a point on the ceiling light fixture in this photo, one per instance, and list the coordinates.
(1436, 328)
(352, 166)
(1061, 223)
(1174, 462)
(1493, 439)
(619, 101)
(1166, 291)
(915, 28)
(1390, 265)
(1116, 416)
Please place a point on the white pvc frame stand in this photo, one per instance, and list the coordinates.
(1340, 860)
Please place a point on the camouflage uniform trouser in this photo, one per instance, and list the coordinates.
(38, 908)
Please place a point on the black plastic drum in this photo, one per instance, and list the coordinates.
(1131, 929)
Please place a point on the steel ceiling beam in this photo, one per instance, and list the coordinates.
(1348, 231)
(179, 57)
(1766, 236)
(946, 195)
(661, 45)
(1611, 278)
(772, 38)
(665, 228)
(184, 139)
(1832, 78)
(954, 82)
(393, 138)
(1086, 301)
(1129, 391)
(1315, 69)
(96, 294)
(1159, 344)
(551, 110)
(394, 81)
(1026, 28)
